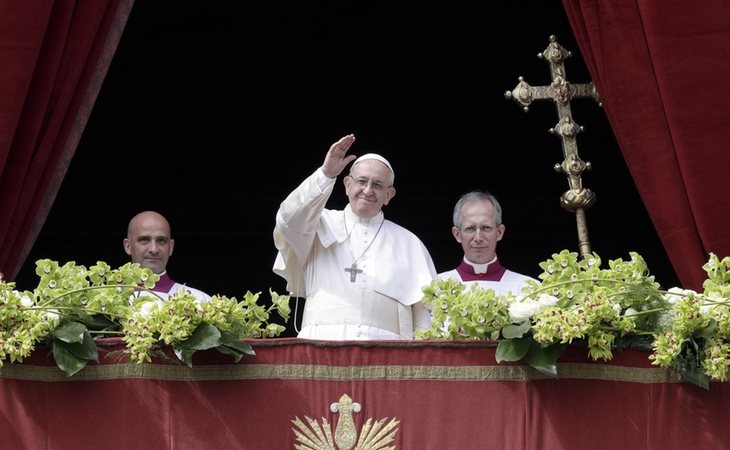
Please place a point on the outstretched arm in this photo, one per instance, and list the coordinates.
(337, 158)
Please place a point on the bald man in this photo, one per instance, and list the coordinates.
(149, 244)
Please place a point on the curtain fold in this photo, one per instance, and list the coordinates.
(659, 68)
(55, 56)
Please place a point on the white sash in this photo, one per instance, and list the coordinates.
(371, 309)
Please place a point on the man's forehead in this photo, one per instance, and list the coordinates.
(152, 234)
(478, 215)
(479, 220)
(371, 167)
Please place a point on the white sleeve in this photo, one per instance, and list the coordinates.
(296, 227)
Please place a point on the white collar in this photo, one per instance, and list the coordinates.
(351, 219)
(480, 268)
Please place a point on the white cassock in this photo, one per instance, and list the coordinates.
(481, 274)
(166, 287)
(317, 249)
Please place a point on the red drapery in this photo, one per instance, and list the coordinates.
(661, 69)
(656, 65)
(55, 55)
(444, 395)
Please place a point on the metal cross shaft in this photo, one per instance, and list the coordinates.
(577, 198)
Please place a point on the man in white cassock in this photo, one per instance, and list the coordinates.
(478, 227)
(362, 275)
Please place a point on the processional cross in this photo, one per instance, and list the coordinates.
(577, 198)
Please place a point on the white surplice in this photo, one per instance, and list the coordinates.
(509, 282)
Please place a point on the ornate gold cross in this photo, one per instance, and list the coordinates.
(577, 198)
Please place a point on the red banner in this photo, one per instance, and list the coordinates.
(304, 394)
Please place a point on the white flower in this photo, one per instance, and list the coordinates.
(523, 310)
(145, 310)
(26, 301)
(675, 294)
(52, 316)
(546, 300)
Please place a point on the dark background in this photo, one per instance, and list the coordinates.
(212, 112)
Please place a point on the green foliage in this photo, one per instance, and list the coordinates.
(580, 302)
(73, 305)
(463, 313)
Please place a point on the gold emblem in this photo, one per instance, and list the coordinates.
(373, 435)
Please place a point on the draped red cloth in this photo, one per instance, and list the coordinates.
(55, 55)
(442, 395)
(661, 70)
(658, 66)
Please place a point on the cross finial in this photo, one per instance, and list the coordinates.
(577, 198)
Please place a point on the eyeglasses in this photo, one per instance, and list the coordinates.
(376, 186)
(470, 230)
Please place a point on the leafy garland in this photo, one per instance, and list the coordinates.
(73, 305)
(579, 302)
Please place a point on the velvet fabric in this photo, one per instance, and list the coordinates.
(55, 55)
(441, 395)
(660, 69)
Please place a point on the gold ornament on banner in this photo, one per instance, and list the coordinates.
(318, 436)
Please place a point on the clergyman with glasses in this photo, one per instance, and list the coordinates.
(360, 274)
(478, 227)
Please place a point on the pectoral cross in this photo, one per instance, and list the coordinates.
(353, 271)
(560, 91)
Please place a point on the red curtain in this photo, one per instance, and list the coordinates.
(656, 65)
(661, 70)
(55, 55)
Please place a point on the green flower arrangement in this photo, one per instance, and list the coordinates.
(579, 302)
(73, 306)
